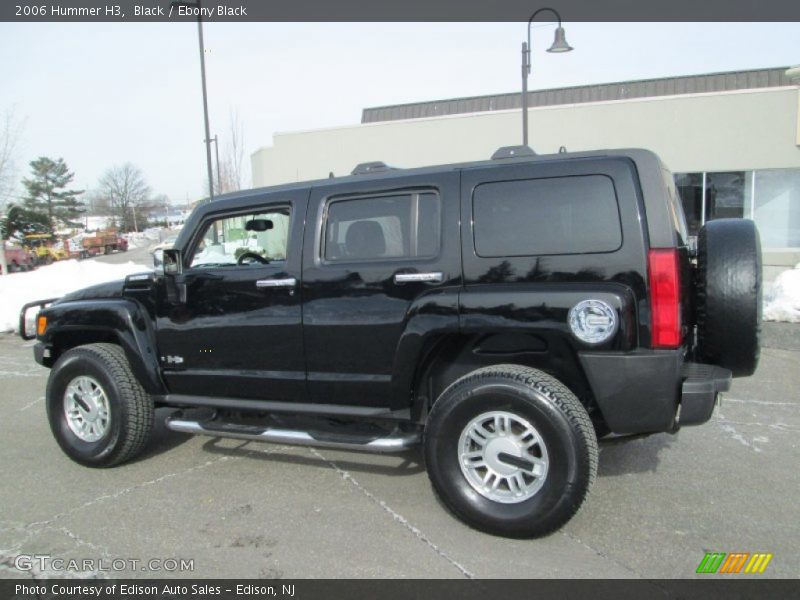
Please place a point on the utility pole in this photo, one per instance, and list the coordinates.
(205, 102)
(3, 263)
(216, 151)
(207, 139)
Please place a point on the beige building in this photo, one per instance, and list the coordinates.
(731, 139)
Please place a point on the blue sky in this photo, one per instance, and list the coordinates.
(99, 95)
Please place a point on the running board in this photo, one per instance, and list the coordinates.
(381, 445)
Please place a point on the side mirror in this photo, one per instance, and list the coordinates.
(172, 261)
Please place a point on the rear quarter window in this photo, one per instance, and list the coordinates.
(558, 215)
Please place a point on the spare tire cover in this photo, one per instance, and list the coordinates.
(728, 295)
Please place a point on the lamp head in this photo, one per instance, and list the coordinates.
(560, 42)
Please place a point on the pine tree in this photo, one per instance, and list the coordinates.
(19, 222)
(47, 194)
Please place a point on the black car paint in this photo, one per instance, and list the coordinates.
(349, 335)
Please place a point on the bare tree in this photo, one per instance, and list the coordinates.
(127, 192)
(10, 132)
(232, 159)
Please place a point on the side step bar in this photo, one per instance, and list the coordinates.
(384, 445)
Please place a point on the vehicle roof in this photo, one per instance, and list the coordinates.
(237, 198)
(649, 166)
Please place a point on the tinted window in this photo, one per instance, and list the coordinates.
(404, 225)
(562, 215)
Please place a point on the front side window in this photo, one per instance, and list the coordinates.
(392, 226)
(254, 238)
(557, 215)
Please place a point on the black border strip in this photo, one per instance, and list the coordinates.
(708, 587)
(401, 10)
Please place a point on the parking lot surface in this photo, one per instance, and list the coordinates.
(252, 510)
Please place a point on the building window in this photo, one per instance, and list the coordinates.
(777, 207)
(770, 197)
(725, 195)
(690, 189)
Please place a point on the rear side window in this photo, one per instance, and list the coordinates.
(400, 225)
(558, 215)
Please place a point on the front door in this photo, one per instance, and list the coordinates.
(239, 332)
(378, 251)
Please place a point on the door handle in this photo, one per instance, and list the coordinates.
(434, 277)
(289, 282)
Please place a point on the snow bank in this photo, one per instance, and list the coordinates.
(782, 301)
(53, 281)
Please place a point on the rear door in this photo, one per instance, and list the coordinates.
(378, 249)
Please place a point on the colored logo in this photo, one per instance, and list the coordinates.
(735, 562)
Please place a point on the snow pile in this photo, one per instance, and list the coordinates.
(53, 281)
(782, 301)
(137, 240)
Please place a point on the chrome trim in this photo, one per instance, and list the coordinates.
(276, 283)
(299, 438)
(436, 277)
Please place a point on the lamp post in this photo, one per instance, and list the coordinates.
(196, 5)
(559, 45)
(216, 152)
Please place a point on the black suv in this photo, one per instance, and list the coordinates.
(503, 314)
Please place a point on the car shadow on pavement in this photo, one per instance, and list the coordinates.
(163, 439)
(400, 464)
(632, 454)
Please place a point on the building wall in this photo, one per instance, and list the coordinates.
(728, 131)
(750, 129)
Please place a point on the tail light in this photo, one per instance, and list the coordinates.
(665, 304)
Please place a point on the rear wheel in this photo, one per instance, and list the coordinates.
(511, 451)
(99, 413)
(728, 300)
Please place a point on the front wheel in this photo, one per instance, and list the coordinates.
(99, 413)
(511, 451)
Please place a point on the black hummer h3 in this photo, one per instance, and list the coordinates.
(503, 314)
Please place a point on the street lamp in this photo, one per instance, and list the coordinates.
(196, 5)
(559, 45)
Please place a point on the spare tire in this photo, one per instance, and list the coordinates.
(728, 295)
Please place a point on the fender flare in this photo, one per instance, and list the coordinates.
(126, 321)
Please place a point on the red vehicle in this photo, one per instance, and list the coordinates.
(103, 242)
(18, 259)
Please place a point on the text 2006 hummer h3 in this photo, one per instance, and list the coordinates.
(503, 314)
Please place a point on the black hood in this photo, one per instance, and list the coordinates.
(101, 291)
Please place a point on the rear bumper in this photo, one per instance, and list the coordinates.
(701, 384)
(651, 391)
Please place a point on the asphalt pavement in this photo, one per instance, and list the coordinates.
(239, 509)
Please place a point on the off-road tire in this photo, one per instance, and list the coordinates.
(552, 409)
(131, 408)
(728, 295)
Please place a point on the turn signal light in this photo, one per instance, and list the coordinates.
(665, 306)
(41, 325)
